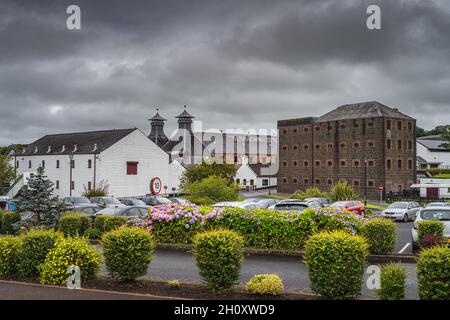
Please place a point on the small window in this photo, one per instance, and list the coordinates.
(388, 164)
(284, 180)
(265, 182)
(284, 164)
(285, 131)
(399, 144)
(371, 163)
(330, 163)
(306, 129)
(388, 124)
(356, 183)
(29, 164)
(371, 144)
(295, 130)
(410, 145)
(399, 125)
(306, 163)
(295, 147)
(330, 182)
(89, 164)
(132, 167)
(343, 163)
(284, 147)
(317, 163)
(317, 146)
(409, 126)
(17, 164)
(317, 128)
(399, 163)
(72, 185)
(410, 164)
(72, 164)
(370, 183)
(295, 163)
(43, 163)
(57, 184)
(370, 123)
(57, 164)
(343, 145)
(330, 146)
(356, 163)
(356, 144)
(295, 180)
(252, 182)
(306, 181)
(238, 181)
(306, 147)
(89, 185)
(389, 144)
(317, 182)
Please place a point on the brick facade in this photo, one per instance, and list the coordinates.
(366, 149)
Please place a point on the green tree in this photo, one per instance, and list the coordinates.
(37, 197)
(446, 137)
(203, 170)
(421, 132)
(7, 172)
(215, 188)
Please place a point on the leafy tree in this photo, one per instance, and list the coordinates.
(446, 137)
(203, 170)
(213, 187)
(37, 197)
(5, 150)
(7, 172)
(309, 193)
(421, 132)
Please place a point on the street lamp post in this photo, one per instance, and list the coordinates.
(365, 180)
(70, 175)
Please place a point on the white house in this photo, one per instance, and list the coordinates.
(431, 154)
(253, 177)
(433, 188)
(125, 159)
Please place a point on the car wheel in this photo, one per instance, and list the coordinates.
(415, 248)
(405, 218)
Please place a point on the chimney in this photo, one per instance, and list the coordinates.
(157, 134)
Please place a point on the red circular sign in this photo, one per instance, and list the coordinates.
(155, 185)
(381, 188)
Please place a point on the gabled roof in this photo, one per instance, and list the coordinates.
(85, 142)
(433, 145)
(257, 168)
(370, 109)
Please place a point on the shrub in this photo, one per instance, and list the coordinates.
(336, 264)
(68, 252)
(93, 233)
(433, 273)
(174, 283)
(9, 255)
(393, 282)
(128, 252)
(381, 234)
(309, 193)
(9, 219)
(343, 191)
(101, 190)
(35, 246)
(430, 233)
(215, 188)
(74, 224)
(201, 201)
(108, 223)
(219, 256)
(265, 284)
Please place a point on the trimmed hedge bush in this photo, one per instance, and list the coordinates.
(108, 223)
(219, 256)
(265, 284)
(68, 252)
(336, 264)
(93, 233)
(9, 255)
(393, 282)
(35, 246)
(8, 220)
(433, 273)
(381, 234)
(430, 233)
(74, 224)
(261, 228)
(127, 252)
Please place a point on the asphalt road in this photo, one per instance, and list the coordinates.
(170, 265)
(25, 291)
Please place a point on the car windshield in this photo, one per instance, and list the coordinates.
(138, 202)
(251, 200)
(339, 204)
(398, 205)
(112, 211)
(435, 204)
(112, 201)
(163, 200)
(291, 206)
(441, 215)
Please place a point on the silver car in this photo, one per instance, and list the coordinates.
(432, 213)
(403, 211)
(295, 206)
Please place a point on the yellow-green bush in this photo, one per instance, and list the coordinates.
(381, 234)
(69, 252)
(74, 224)
(219, 256)
(108, 223)
(433, 273)
(265, 284)
(393, 282)
(9, 255)
(128, 252)
(8, 220)
(336, 262)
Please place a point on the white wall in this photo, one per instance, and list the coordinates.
(443, 192)
(245, 172)
(429, 156)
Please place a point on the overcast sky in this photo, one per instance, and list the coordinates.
(236, 64)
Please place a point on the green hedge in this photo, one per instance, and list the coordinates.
(433, 273)
(9, 255)
(127, 252)
(219, 256)
(35, 246)
(393, 282)
(68, 252)
(260, 228)
(381, 234)
(265, 284)
(8, 220)
(74, 224)
(108, 223)
(336, 264)
(430, 233)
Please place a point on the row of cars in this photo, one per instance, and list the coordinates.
(128, 207)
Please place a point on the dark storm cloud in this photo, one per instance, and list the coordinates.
(238, 64)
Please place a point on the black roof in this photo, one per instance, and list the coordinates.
(157, 117)
(85, 142)
(257, 168)
(185, 114)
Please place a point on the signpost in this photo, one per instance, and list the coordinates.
(381, 188)
(155, 186)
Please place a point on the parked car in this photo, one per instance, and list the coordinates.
(105, 202)
(322, 201)
(248, 205)
(431, 213)
(76, 201)
(224, 204)
(90, 209)
(404, 211)
(352, 206)
(435, 204)
(131, 212)
(180, 200)
(294, 205)
(133, 202)
(155, 200)
(266, 203)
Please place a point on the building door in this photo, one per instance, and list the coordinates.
(432, 193)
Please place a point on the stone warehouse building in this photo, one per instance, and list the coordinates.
(367, 144)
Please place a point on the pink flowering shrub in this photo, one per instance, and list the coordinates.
(260, 228)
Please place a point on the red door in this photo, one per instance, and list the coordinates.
(432, 193)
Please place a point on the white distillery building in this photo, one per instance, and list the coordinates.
(253, 177)
(433, 188)
(431, 153)
(124, 159)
